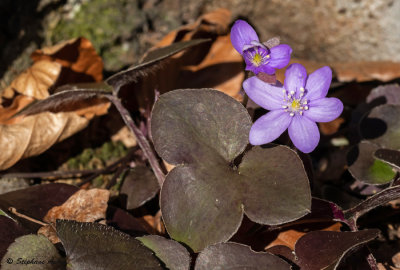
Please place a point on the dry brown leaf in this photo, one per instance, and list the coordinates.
(18, 103)
(352, 71)
(289, 237)
(36, 80)
(125, 136)
(332, 127)
(154, 224)
(214, 64)
(78, 58)
(21, 137)
(83, 206)
(35, 134)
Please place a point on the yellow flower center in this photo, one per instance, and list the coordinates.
(257, 59)
(295, 105)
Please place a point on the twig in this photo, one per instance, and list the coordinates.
(110, 168)
(49, 176)
(15, 212)
(141, 139)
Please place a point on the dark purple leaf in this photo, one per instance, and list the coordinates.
(37, 250)
(36, 201)
(72, 98)
(9, 230)
(237, 256)
(372, 202)
(322, 249)
(365, 168)
(282, 251)
(152, 61)
(391, 157)
(203, 198)
(124, 221)
(171, 253)
(96, 246)
(322, 209)
(140, 185)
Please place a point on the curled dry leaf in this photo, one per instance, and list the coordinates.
(214, 64)
(83, 206)
(35, 134)
(36, 80)
(22, 137)
(78, 58)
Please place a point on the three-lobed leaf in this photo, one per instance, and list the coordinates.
(203, 199)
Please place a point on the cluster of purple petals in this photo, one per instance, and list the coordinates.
(296, 105)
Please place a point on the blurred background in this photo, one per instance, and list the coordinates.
(122, 30)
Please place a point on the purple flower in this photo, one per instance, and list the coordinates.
(295, 106)
(258, 57)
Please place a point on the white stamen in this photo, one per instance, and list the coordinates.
(301, 94)
(305, 102)
(284, 106)
(289, 96)
(306, 108)
(301, 89)
(268, 56)
(301, 112)
(291, 114)
(292, 92)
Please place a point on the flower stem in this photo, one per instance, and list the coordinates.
(141, 139)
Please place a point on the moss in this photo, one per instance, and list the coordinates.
(98, 157)
(103, 22)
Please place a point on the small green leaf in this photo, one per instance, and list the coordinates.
(204, 197)
(96, 246)
(32, 252)
(171, 253)
(140, 185)
(237, 256)
(391, 157)
(364, 167)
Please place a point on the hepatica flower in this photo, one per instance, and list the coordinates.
(258, 57)
(296, 106)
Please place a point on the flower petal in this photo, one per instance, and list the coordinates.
(304, 133)
(266, 95)
(262, 68)
(280, 56)
(324, 109)
(242, 34)
(269, 127)
(318, 83)
(295, 77)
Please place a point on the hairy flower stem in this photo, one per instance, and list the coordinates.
(352, 223)
(141, 139)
